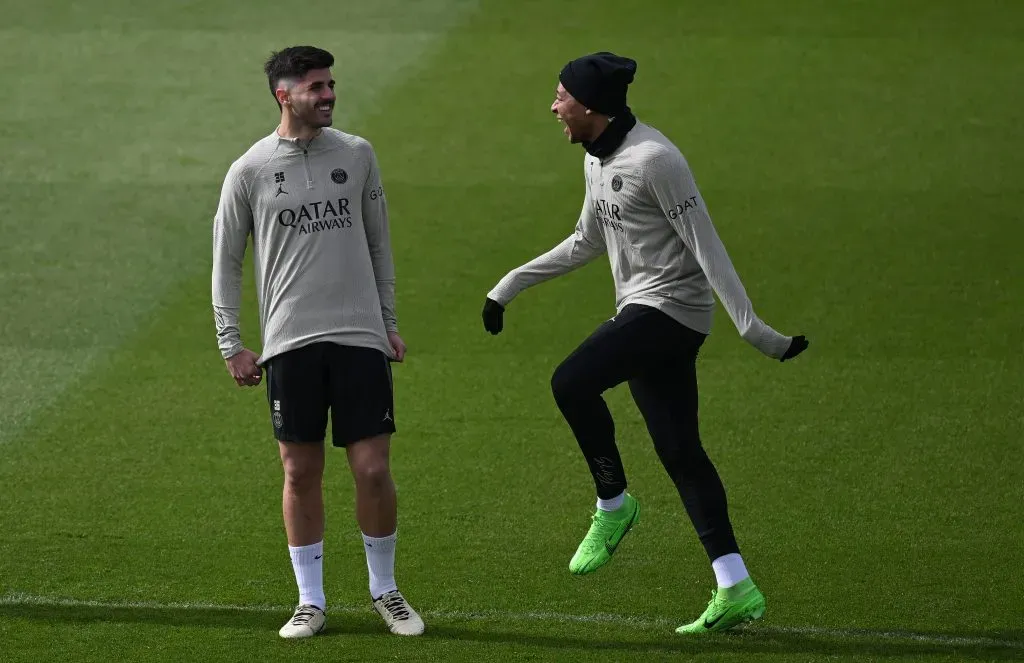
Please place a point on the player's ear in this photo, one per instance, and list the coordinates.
(283, 97)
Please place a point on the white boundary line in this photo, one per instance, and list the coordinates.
(15, 599)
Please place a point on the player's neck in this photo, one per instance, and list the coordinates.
(612, 136)
(293, 129)
(601, 123)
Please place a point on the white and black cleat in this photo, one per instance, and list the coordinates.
(307, 621)
(398, 614)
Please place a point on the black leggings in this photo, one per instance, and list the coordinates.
(657, 356)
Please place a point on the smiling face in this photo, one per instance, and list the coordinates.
(310, 100)
(578, 123)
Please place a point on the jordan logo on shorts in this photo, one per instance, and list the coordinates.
(387, 415)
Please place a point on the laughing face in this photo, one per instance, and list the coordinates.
(577, 123)
(311, 99)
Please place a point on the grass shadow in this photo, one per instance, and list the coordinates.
(750, 642)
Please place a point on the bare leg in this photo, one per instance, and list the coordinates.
(303, 502)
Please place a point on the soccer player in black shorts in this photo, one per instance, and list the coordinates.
(310, 197)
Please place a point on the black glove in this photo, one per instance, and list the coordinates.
(493, 312)
(798, 345)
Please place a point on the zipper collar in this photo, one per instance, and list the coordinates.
(298, 143)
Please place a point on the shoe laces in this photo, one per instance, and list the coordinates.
(596, 535)
(395, 604)
(718, 601)
(303, 614)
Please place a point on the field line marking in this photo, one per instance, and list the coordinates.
(15, 599)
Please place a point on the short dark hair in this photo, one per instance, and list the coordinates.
(294, 62)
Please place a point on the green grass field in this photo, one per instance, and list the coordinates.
(863, 161)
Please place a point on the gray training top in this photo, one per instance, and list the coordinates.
(321, 245)
(643, 209)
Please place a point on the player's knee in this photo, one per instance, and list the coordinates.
(565, 383)
(302, 473)
(682, 454)
(373, 473)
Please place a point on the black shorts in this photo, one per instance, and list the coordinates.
(354, 383)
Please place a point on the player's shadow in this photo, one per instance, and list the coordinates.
(742, 643)
(587, 638)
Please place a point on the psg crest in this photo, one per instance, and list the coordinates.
(339, 175)
(616, 183)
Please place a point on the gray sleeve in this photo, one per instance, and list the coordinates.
(232, 226)
(672, 184)
(378, 238)
(576, 250)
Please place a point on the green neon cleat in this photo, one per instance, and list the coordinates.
(606, 531)
(734, 605)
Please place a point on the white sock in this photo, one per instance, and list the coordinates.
(380, 562)
(729, 570)
(309, 573)
(612, 504)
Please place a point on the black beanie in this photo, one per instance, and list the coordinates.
(599, 81)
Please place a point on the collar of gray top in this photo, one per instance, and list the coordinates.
(298, 143)
(611, 138)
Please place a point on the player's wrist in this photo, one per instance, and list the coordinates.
(501, 299)
(233, 352)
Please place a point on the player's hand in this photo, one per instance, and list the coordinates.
(798, 345)
(397, 345)
(493, 315)
(244, 369)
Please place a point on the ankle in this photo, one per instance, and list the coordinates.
(612, 503)
(738, 590)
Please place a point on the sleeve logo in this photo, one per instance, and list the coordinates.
(677, 210)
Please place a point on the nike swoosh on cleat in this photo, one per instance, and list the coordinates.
(610, 548)
(709, 625)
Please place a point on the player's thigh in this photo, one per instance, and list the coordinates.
(621, 348)
(298, 396)
(362, 394)
(667, 397)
